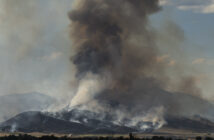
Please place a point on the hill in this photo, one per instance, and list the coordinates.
(34, 121)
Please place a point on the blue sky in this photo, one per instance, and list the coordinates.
(196, 19)
(196, 23)
(34, 43)
(198, 29)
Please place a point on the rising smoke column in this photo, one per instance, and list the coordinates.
(116, 61)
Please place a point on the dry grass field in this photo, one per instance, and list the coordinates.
(183, 134)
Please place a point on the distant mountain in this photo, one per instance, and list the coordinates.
(13, 104)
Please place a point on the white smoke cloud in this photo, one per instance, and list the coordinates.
(13, 128)
(154, 115)
(52, 56)
(88, 87)
(198, 6)
(198, 61)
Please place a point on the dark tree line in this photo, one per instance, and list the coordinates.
(131, 137)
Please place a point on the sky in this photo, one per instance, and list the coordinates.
(35, 44)
(195, 18)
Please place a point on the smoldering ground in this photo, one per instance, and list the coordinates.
(116, 63)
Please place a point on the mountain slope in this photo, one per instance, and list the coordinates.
(33, 121)
(192, 124)
(91, 119)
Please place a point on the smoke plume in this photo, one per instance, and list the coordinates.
(117, 67)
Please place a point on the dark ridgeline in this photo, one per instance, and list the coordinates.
(52, 137)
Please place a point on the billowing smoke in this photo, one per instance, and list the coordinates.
(13, 128)
(117, 64)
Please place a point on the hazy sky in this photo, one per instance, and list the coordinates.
(35, 44)
(195, 18)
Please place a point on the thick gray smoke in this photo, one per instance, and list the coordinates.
(117, 67)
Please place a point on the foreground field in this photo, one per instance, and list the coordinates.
(98, 137)
(162, 134)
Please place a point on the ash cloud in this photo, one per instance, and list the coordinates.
(116, 48)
